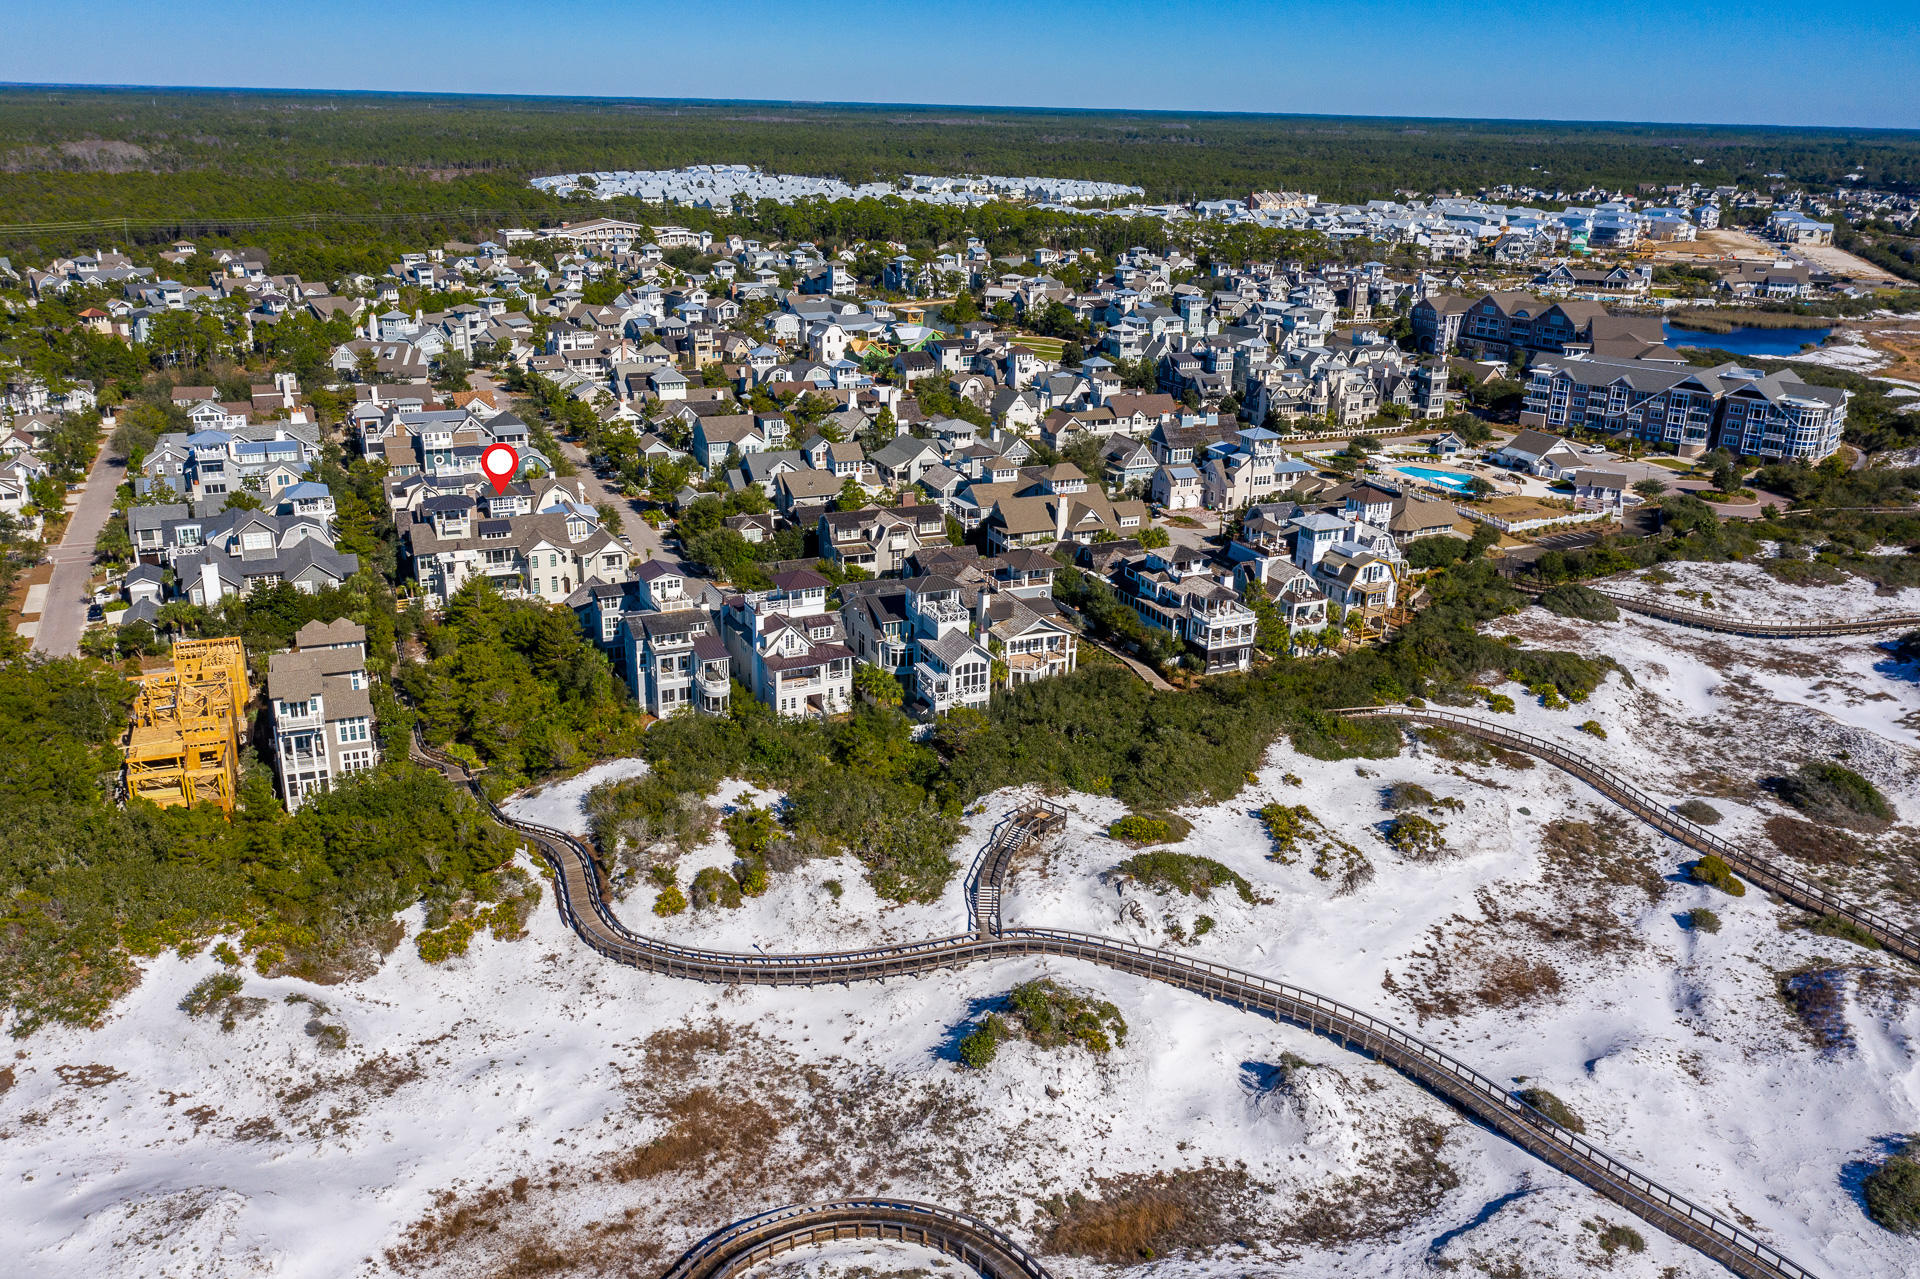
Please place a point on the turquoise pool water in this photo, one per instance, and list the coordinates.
(1445, 479)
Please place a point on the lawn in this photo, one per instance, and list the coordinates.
(1045, 348)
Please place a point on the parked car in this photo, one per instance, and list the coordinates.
(95, 613)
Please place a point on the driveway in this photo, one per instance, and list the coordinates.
(64, 615)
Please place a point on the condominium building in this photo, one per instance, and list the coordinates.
(1745, 411)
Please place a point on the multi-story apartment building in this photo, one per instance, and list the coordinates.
(1744, 411)
(1502, 324)
(321, 712)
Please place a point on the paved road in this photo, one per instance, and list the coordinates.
(641, 536)
(65, 613)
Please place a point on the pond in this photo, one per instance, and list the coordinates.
(1747, 340)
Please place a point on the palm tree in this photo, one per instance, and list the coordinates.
(176, 617)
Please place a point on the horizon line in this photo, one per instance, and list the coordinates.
(16, 86)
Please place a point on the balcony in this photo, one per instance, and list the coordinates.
(945, 612)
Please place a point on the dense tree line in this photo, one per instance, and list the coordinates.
(89, 886)
(448, 140)
(863, 785)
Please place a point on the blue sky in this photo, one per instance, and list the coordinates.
(1762, 61)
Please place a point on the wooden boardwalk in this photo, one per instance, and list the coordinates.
(1700, 619)
(1783, 883)
(749, 1242)
(582, 903)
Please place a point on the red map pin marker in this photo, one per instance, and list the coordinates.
(500, 462)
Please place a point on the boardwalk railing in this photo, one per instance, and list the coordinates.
(989, 874)
(1798, 889)
(577, 881)
(1444, 1074)
(742, 1244)
(1700, 619)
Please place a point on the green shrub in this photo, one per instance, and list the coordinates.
(1715, 873)
(1837, 794)
(834, 889)
(1500, 703)
(1287, 825)
(979, 1047)
(1702, 920)
(1846, 930)
(1202, 926)
(669, 901)
(437, 945)
(210, 992)
(1700, 811)
(1580, 602)
(1137, 829)
(714, 887)
(1549, 695)
(750, 830)
(1614, 1238)
(1050, 1015)
(1184, 872)
(1893, 1191)
(1409, 795)
(751, 876)
(1417, 838)
(1592, 729)
(1553, 1108)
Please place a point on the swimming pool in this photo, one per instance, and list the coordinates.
(1445, 479)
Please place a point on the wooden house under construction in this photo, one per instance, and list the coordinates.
(184, 744)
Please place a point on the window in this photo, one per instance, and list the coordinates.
(352, 730)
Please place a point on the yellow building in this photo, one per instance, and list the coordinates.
(184, 745)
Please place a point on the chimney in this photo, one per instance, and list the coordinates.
(1060, 504)
(209, 583)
